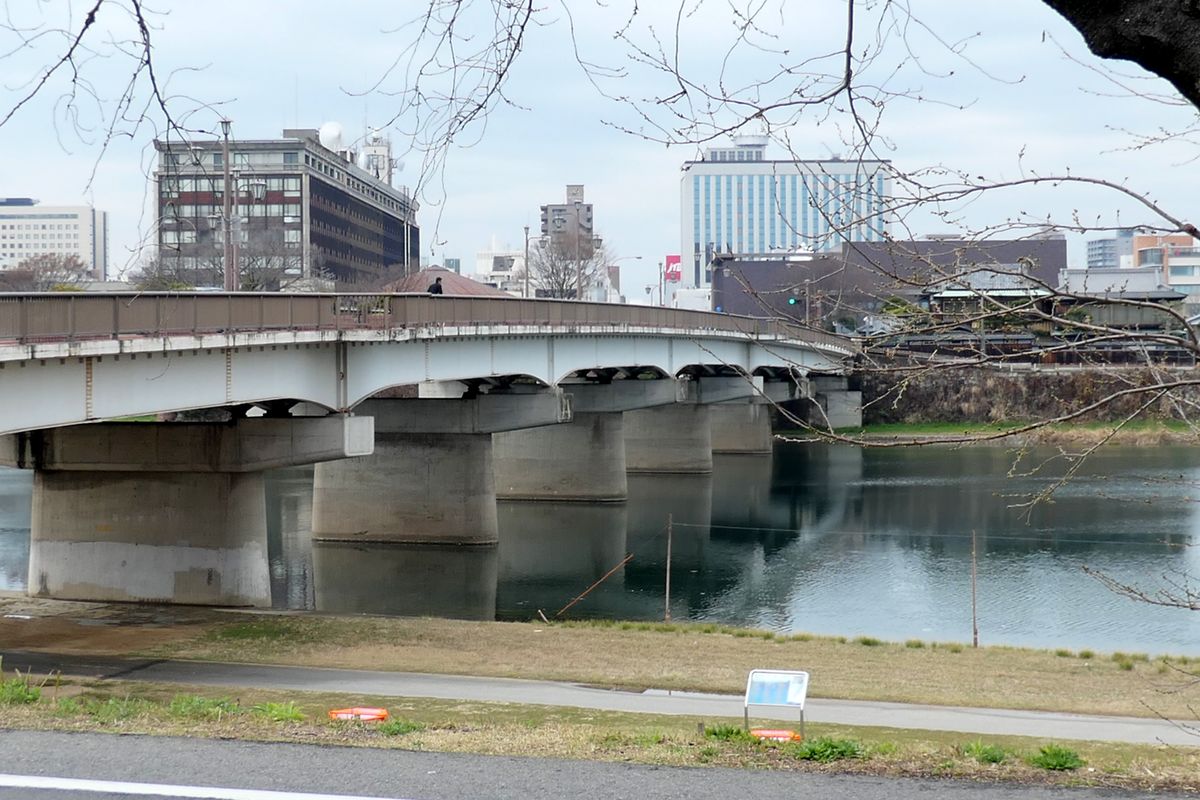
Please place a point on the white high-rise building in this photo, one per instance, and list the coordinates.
(29, 229)
(734, 200)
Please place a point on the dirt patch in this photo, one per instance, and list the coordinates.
(98, 628)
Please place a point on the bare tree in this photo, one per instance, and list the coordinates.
(265, 264)
(46, 272)
(559, 264)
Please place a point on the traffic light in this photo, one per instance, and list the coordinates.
(791, 301)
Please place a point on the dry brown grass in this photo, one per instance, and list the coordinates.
(631, 655)
(687, 658)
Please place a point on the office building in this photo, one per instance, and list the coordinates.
(305, 208)
(1112, 252)
(571, 225)
(735, 200)
(28, 229)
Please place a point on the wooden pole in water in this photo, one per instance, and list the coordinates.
(667, 606)
(974, 607)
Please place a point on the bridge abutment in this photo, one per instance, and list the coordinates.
(840, 407)
(182, 537)
(165, 512)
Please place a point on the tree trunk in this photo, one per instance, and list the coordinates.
(1161, 36)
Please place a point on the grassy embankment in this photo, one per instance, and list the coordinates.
(634, 655)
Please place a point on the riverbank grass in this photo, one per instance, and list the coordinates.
(542, 731)
(629, 655)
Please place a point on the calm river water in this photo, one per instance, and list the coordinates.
(817, 538)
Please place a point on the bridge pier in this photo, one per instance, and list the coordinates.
(675, 438)
(430, 479)
(741, 428)
(582, 461)
(164, 512)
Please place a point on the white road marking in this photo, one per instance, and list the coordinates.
(165, 790)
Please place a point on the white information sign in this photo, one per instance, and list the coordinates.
(775, 687)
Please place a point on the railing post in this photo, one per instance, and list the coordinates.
(23, 318)
(70, 318)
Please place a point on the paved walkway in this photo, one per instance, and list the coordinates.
(982, 721)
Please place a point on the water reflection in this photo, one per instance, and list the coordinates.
(15, 489)
(551, 552)
(828, 539)
(406, 580)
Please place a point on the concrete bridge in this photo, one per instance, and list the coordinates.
(419, 411)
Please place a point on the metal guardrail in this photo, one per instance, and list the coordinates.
(64, 316)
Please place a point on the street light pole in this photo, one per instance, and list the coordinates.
(526, 261)
(227, 218)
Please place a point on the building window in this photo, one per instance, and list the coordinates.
(291, 158)
(217, 161)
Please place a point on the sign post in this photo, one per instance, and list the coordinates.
(774, 687)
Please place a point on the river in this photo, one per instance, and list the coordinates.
(824, 539)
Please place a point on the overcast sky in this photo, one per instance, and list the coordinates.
(985, 88)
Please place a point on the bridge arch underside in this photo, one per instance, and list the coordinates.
(559, 359)
(338, 375)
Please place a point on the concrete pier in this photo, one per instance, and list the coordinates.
(164, 512)
(675, 438)
(583, 461)
(741, 428)
(430, 479)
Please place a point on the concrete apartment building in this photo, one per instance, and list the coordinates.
(312, 208)
(735, 200)
(1177, 259)
(28, 228)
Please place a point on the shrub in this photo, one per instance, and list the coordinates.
(827, 749)
(915, 644)
(1086, 655)
(868, 641)
(954, 647)
(1126, 665)
(1063, 653)
(1056, 757)
(728, 733)
(984, 753)
(399, 727)
(279, 712)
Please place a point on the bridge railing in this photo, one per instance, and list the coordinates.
(30, 318)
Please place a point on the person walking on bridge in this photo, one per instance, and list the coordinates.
(435, 287)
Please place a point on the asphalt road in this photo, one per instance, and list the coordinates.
(452, 687)
(254, 768)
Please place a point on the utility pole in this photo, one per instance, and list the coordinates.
(527, 261)
(227, 219)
